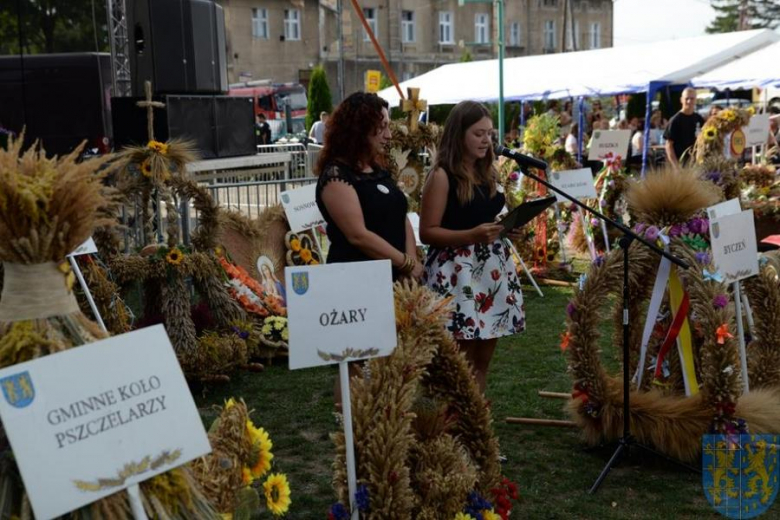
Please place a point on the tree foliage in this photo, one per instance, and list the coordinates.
(756, 14)
(319, 96)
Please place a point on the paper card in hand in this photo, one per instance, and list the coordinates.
(524, 213)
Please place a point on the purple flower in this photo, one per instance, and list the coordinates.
(675, 230)
(594, 222)
(651, 233)
(611, 184)
(602, 203)
(514, 176)
(705, 226)
(571, 309)
(338, 512)
(703, 257)
(713, 176)
(695, 226)
(685, 230)
(639, 228)
(599, 261)
(720, 301)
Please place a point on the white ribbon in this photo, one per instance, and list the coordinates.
(661, 279)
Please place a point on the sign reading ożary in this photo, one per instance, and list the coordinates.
(734, 249)
(93, 420)
(577, 183)
(300, 206)
(340, 312)
(606, 142)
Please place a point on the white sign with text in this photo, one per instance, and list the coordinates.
(724, 209)
(94, 420)
(577, 183)
(609, 141)
(340, 312)
(87, 248)
(301, 209)
(757, 131)
(734, 249)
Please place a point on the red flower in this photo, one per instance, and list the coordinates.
(484, 302)
(495, 274)
(458, 267)
(470, 322)
(463, 251)
(454, 279)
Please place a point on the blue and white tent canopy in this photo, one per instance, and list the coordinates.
(758, 69)
(600, 72)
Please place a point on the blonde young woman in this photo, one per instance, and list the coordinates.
(467, 258)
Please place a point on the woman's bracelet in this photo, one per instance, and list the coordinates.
(408, 265)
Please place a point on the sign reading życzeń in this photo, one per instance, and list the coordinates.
(609, 141)
(300, 206)
(94, 420)
(340, 312)
(734, 249)
(577, 183)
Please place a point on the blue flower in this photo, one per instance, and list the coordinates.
(338, 512)
(362, 499)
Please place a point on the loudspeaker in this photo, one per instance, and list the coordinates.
(220, 126)
(178, 45)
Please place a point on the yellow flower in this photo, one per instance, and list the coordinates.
(227, 516)
(266, 330)
(710, 133)
(246, 476)
(174, 256)
(70, 278)
(314, 262)
(277, 493)
(218, 251)
(230, 403)
(157, 146)
(490, 515)
(295, 245)
(146, 168)
(285, 335)
(262, 443)
(463, 516)
(279, 325)
(306, 255)
(751, 111)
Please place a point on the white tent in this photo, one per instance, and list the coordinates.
(586, 73)
(758, 69)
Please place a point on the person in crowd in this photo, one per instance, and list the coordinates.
(571, 139)
(565, 118)
(714, 109)
(774, 123)
(362, 205)
(317, 132)
(637, 126)
(262, 130)
(682, 130)
(468, 260)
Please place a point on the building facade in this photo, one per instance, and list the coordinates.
(283, 40)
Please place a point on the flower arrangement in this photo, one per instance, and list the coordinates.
(249, 293)
(275, 330)
(157, 161)
(300, 250)
(711, 140)
(237, 473)
(540, 135)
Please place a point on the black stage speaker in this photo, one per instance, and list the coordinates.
(220, 126)
(178, 45)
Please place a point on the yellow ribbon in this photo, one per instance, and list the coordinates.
(684, 342)
(413, 105)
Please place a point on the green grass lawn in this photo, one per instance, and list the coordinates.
(551, 465)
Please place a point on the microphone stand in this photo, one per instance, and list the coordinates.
(626, 440)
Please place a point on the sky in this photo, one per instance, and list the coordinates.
(642, 21)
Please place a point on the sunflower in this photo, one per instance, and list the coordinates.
(262, 443)
(146, 168)
(277, 493)
(157, 146)
(488, 514)
(306, 255)
(710, 133)
(246, 476)
(295, 245)
(230, 403)
(463, 516)
(174, 256)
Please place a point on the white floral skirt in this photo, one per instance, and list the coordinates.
(483, 282)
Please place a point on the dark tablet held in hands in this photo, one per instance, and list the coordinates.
(524, 213)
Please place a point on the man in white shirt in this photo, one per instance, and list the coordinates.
(317, 132)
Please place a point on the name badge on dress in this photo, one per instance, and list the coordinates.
(384, 189)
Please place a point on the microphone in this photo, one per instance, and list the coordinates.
(522, 160)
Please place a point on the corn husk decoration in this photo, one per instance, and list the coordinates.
(48, 207)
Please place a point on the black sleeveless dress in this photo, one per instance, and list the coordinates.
(481, 278)
(383, 204)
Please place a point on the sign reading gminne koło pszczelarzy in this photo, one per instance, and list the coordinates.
(340, 312)
(300, 206)
(577, 183)
(734, 249)
(93, 420)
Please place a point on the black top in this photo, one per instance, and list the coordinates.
(384, 209)
(479, 210)
(682, 131)
(263, 133)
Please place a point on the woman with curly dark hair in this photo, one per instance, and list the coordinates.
(364, 209)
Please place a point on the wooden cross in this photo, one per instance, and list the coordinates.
(413, 105)
(149, 105)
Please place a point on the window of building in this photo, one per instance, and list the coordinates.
(407, 26)
(550, 3)
(370, 14)
(514, 34)
(574, 38)
(595, 35)
(292, 24)
(445, 27)
(481, 28)
(549, 34)
(260, 24)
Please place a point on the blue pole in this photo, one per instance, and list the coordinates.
(581, 123)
